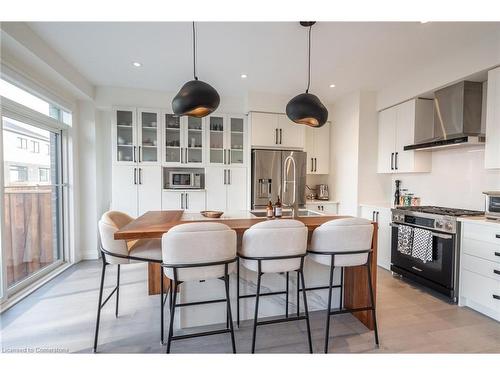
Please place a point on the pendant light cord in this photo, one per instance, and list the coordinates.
(194, 52)
(309, 61)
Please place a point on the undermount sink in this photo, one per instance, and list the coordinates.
(287, 213)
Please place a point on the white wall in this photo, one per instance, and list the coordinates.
(344, 143)
(458, 179)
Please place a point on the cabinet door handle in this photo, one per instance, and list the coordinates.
(182, 201)
(187, 201)
(182, 155)
(312, 164)
(497, 235)
(392, 161)
(134, 154)
(373, 215)
(497, 272)
(225, 178)
(315, 165)
(139, 154)
(140, 176)
(377, 216)
(135, 176)
(281, 136)
(497, 254)
(276, 136)
(229, 177)
(496, 296)
(396, 161)
(185, 155)
(229, 156)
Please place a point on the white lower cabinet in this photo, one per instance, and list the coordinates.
(382, 216)
(188, 200)
(480, 268)
(328, 208)
(226, 188)
(136, 190)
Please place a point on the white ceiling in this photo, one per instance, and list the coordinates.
(351, 55)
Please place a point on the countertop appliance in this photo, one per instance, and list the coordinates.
(269, 173)
(492, 206)
(178, 178)
(323, 192)
(457, 117)
(441, 273)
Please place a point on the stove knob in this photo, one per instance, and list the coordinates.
(439, 224)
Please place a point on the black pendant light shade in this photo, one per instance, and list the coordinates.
(307, 109)
(196, 98)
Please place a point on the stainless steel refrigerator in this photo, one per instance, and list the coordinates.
(269, 174)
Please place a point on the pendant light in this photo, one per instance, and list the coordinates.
(306, 108)
(196, 98)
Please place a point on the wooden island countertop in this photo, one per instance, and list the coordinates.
(153, 224)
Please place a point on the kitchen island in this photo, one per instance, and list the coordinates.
(154, 224)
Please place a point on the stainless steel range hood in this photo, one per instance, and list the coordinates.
(457, 117)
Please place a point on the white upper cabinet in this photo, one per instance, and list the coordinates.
(397, 127)
(227, 140)
(318, 149)
(124, 136)
(291, 135)
(273, 130)
(492, 148)
(148, 136)
(184, 140)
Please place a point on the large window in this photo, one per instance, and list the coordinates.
(32, 202)
(18, 95)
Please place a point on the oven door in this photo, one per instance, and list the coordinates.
(181, 180)
(440, 270)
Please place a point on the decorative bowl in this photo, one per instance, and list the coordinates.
(212, 214)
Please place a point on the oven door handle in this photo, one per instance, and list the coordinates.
(439, 235)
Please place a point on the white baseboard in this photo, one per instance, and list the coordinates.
(89, 255)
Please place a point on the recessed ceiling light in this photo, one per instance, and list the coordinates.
(137, 64)
(332, 85)
(244, 76)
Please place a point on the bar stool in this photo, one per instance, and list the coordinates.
(198, 251)
(344, 243)
(275, 246)
(120, 252)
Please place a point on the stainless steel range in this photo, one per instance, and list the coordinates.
(441, 272)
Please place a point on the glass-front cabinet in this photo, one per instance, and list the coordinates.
(124, 136)
(184, 140)
(227, 140)
(149, 136)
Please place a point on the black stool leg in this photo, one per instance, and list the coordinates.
(341, 304)
(298, 294)
(172, 314)
(372, 300)
(117, 290)
(330, 289)
(238, 292)
(104, 264)
(287, 283)
(256, 315)
(161, 307)
(228, 303)
(306, 311)
(227, 310)
(170, 291)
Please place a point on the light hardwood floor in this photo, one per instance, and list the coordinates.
(61, 315)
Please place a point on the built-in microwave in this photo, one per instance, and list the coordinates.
(184, 180)
(492, 209)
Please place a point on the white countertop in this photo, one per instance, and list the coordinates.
(479, 220)
(320, 201)
(387, 205)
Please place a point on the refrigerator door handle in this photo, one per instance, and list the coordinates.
(281, 136)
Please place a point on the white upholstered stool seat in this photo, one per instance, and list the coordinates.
(341, 236)
(344, 243)
(275, 246)
(120, 252)
(198, 251)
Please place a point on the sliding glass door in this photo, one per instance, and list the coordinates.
(32, 202)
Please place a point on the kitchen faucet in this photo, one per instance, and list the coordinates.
(293, 205)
